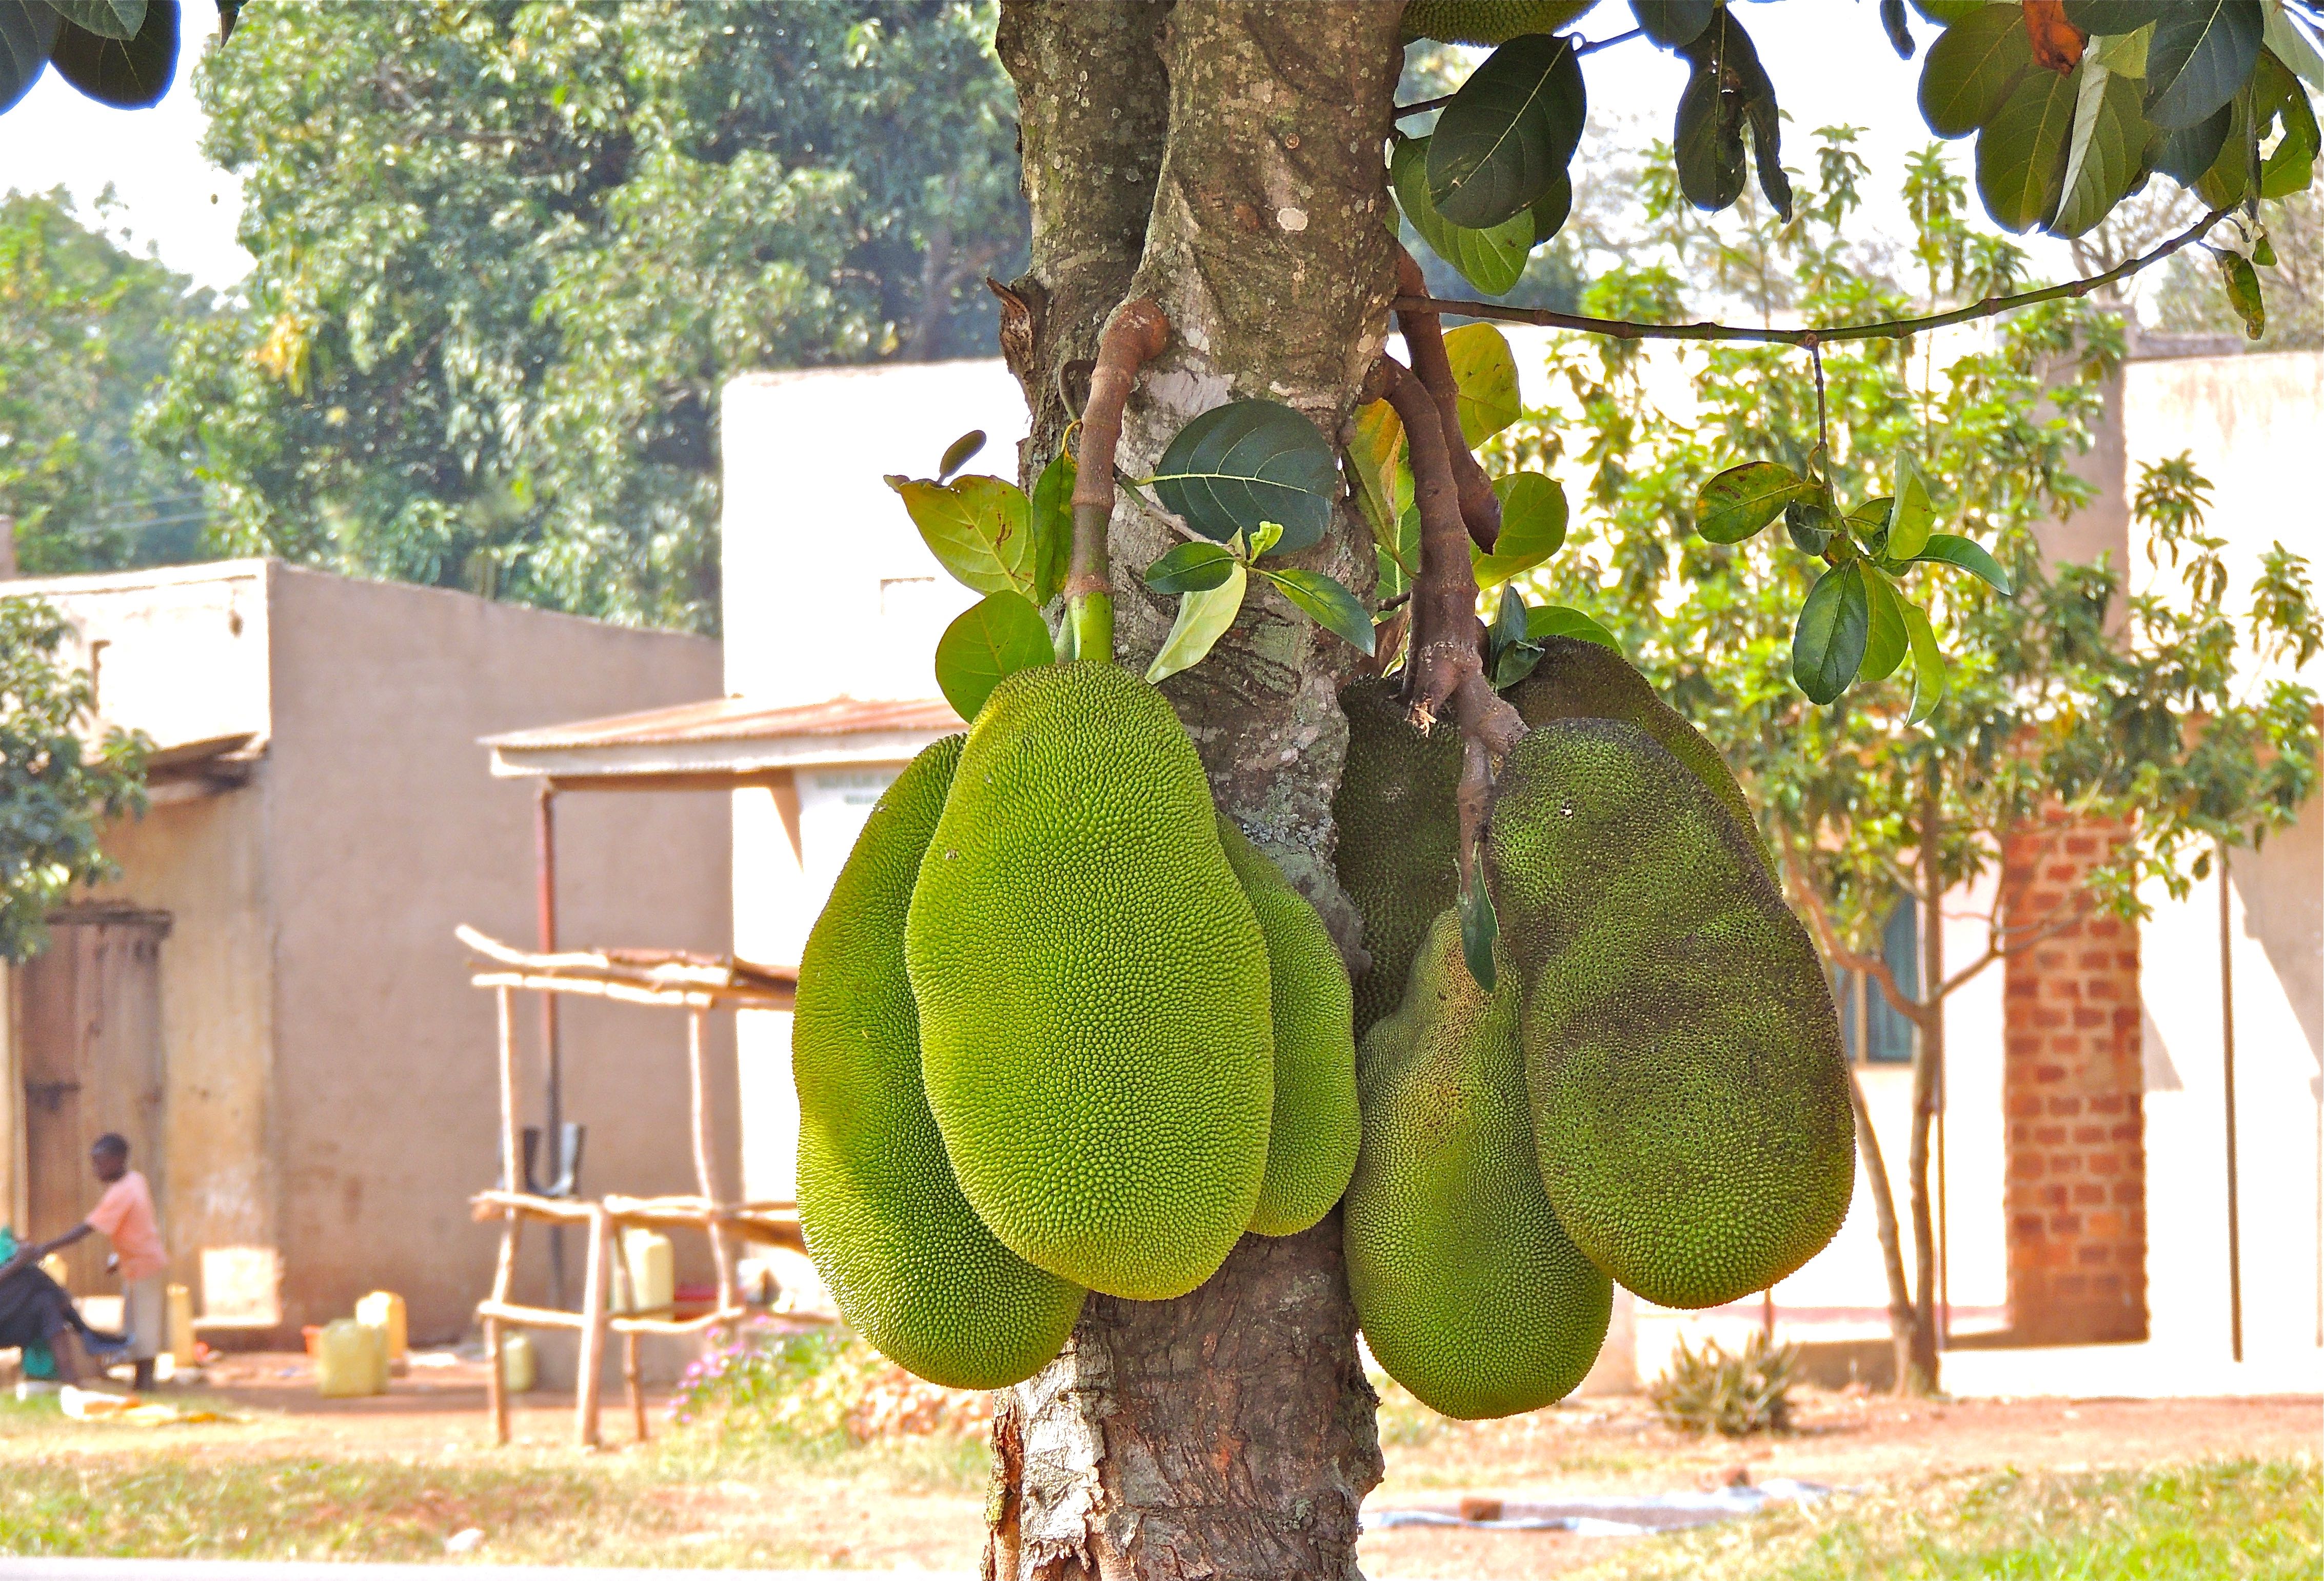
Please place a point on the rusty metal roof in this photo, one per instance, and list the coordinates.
(734, 736)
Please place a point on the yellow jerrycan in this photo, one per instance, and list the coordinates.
(349, 1360)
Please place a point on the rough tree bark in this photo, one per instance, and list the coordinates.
(1224, 157)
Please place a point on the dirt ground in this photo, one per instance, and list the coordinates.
(435, 1417)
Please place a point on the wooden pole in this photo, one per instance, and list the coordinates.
(636, 1387)
(504, 1269)
(553, 1065)
(586, 1389)
(706, 1176)
(2227, 1076)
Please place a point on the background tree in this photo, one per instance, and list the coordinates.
(57, 791)
(84, 331)
(508, 255)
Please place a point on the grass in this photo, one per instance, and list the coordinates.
(2221, 1520)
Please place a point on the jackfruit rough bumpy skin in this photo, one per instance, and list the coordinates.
(910, 1265)
(1587, 680)
(1469, 1291)
(1311, 1144)
(1093, 989)
(1690, 1096)
(1398, 828)
(1487, 21)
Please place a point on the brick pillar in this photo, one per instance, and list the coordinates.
(2071, 1088)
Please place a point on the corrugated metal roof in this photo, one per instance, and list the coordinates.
(738, 719)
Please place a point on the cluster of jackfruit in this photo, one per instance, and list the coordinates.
(1655, 1091)
(1060, 1028)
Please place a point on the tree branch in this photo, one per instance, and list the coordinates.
(1137, 332)
(1920, 1013)
(1885, 329)
(1424, 338)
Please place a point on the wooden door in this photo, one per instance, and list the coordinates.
(90, 1010)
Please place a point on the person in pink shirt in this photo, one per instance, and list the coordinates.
(124, 1215)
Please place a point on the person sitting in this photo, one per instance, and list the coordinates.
(37, 1314)
(124, 1215)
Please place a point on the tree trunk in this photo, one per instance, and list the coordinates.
(1230, 1432)
(1919, 1376)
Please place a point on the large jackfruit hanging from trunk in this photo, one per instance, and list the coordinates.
(1399, 834)
(1690, 1094)
(1093, 989)
(1469, 1288)
(910, 1265)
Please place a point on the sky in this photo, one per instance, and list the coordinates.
(1830, 61)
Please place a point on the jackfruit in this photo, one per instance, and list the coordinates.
(910, 1265)
(1587, 680)
(1311, 1143)
(1093, 989)
(1472, 1294)
(1689, 1096)
(1398, 831)
(1487, 21)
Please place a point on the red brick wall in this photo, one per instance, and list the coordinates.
(2071, 1090)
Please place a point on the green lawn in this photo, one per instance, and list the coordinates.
(2225, 1520)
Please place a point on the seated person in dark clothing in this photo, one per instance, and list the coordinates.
(35, 1309)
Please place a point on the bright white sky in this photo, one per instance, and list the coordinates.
(1830, 61)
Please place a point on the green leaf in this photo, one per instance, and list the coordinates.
(1533, 527)
(978, 528)
(108, 19)
(2293, 46)
(129, 74)
(26, 31)
(2203, 54)
(1900, 33)
(2106, 157)
(1551, 209)
(1248, 462)
(1673, 22)
(1911, 516)
(1929, 679)
(1885, 636)
(960, 453)
(2123, 54)
(999, 634)
(1972, 68)
(1766, 126)
(1491, 260)
(1202, 619)
(2277, 93)
(2184, 156)
(1947, 549)
(1508, 132)
(1052, 522)
(1741, 500)
(1479, 928)
(1834, 625)
(1510, 622)
(1558, 621)
(2021, 153)
(1485, 372)
(2115, 16)
(1265, 537)
(1191, 568)
(2242, 281)
(1810, 525)
(1329, 604)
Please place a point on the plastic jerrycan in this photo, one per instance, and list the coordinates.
(180, 1327)
(350, 1360)
(652, 1268)
(518, 1363)
(383, 1309)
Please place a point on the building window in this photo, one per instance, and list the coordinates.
(1870, 1028)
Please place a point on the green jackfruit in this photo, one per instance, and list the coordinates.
(1399, 829)
(1689, 1096)
(909, 1263)
(1093, 989)
(1469, 1291)
(1587, 680)
(1311, 1144)
(1487, 21)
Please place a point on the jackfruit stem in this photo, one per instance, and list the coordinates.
(1137, 333)
(1423, 339)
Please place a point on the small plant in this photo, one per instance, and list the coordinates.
(771, 1386)
(1709, 1391)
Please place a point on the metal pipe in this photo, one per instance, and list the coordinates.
(2227, 1074)
(544, 828)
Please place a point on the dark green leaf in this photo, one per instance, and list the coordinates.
(27, 29)
(1052, 521)
(1558, 621)
(1673, 22)
(1551, 209)
(1508, 621)
(2234, 176)
(1900, 33)
(1329, 604)
(2203, 52)
(128, 74)
(2111, 17)
(1202, 619)
(2185, 155)
(1392, 578)
(1741, 500)
(1490, 260)
(1809, 525)
(2242, 281)
(1760, 114)
(999, 634)
(1191, 568)
(1947, 549)
(2106, 157)
(2021, 153)
(1834, 625)
(1886, 636)
(959, 453)
(1929, 678)
(1479, 928)
(1971, 68)
(108, 19)
(1248, 462)
(1533, 527)
(1508, 131)
(1868, 522)
(1513, 664)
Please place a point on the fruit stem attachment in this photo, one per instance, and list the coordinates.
(1424, 340)
(1134, 335)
